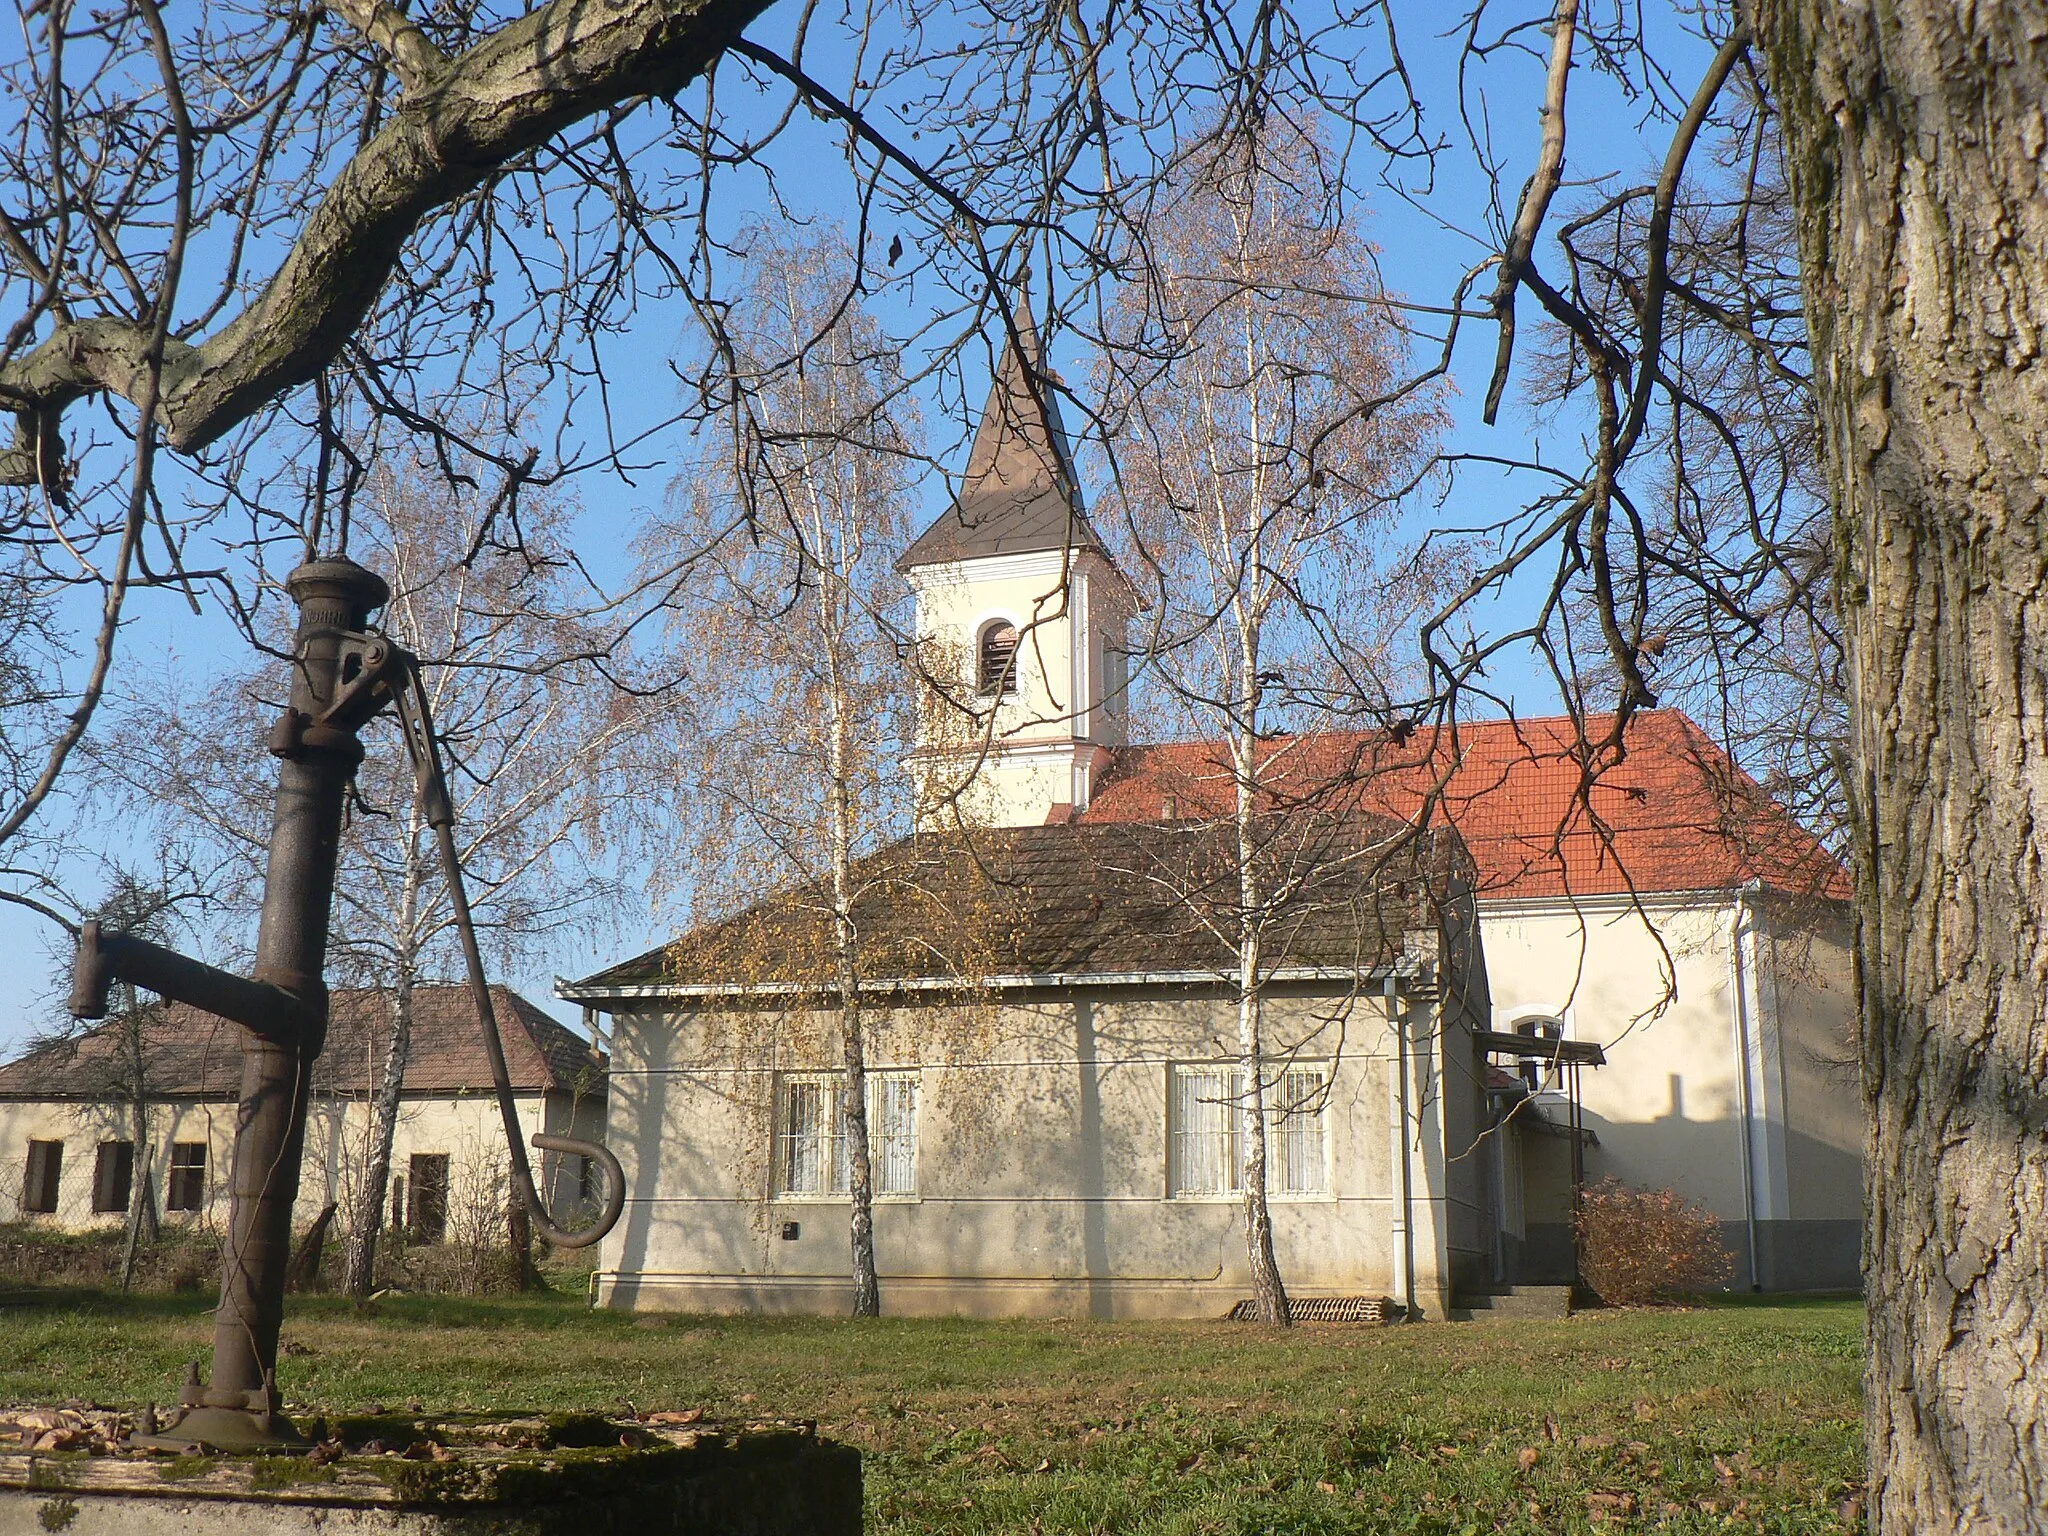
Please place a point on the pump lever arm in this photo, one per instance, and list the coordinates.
(262, 1008)
(439, 810)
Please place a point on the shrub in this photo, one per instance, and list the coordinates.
(1643, 1245)
(34, 1255)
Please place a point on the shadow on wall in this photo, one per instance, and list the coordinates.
(1792, 1254)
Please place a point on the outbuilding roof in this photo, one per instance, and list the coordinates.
(1540, 818)
(1076, 903)
(189, 1054)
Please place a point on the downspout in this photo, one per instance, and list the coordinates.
(1739, 985)
(1392, 988)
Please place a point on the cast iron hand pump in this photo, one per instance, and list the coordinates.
(343, 675)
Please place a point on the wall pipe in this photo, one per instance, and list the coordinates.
(1738, 982)
(1392, 989)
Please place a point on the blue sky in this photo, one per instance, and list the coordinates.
(1422, 251)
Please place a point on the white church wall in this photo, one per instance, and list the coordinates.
(1043, 1166)
(1660, 990)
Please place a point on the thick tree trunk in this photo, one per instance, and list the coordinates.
(1915, 136)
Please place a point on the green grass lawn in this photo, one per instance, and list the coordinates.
(1731, 1418)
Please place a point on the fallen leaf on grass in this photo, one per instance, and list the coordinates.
(1326, 1487)
(686, 1416)
(1595, 1442)
(1610, 1506)
(1527, 1457)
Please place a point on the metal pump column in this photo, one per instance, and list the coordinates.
(282, 1008)
(317, 762)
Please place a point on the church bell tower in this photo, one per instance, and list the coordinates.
(1023, 620)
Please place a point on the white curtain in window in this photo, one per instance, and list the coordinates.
(1298, 1115)
(1207, 1154)
(892, 1128)
(815, 1158)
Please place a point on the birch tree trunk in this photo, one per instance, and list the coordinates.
(1915, 136)
(1269, 1291)
(860, 1170)
(366, 1222)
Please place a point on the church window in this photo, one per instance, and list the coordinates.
(996, 659)
(1538, 1070)
(1206, 1132)
(812, 1156)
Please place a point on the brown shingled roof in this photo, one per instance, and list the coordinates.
(196, 1055)
(1075, 901)
(1020, 494)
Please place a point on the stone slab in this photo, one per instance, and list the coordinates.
(781, 1481)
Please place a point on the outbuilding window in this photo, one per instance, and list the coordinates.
(185, 1190)
(996, 659)
(113, 1176)
(40, 1179)
(1205, 1156)
(812, 1154)
(426, 1216)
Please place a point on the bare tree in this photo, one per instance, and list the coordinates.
(1268, 428)
(534, 741)
(189, 255)
(795, 777)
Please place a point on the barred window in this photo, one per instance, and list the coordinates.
(1296, 1105)
(812, 1156)
(1206, 1131)
(1206, 1159)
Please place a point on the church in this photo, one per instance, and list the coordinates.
(1497, 985)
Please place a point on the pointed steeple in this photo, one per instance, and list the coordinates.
(1020, 494)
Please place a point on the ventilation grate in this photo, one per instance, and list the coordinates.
(1374, 1310)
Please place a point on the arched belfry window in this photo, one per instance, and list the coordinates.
(995, 659)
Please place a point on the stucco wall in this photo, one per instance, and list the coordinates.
(1725, 1024)
(467, 1129)
(1042, 1183)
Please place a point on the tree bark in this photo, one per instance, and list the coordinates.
(860, 1175)
(367, 1220)
(1914, 136)
(482, 111)
(1269, 1291)
(142, 1217)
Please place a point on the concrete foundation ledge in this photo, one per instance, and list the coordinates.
(476, 1476)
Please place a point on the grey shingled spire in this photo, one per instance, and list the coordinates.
(1020, 494)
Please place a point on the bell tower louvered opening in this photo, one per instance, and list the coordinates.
(996, 659)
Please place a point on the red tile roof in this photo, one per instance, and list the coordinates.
(1669, 813)
(189, 1054)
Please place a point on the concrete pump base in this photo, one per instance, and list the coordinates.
(526, 1477)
